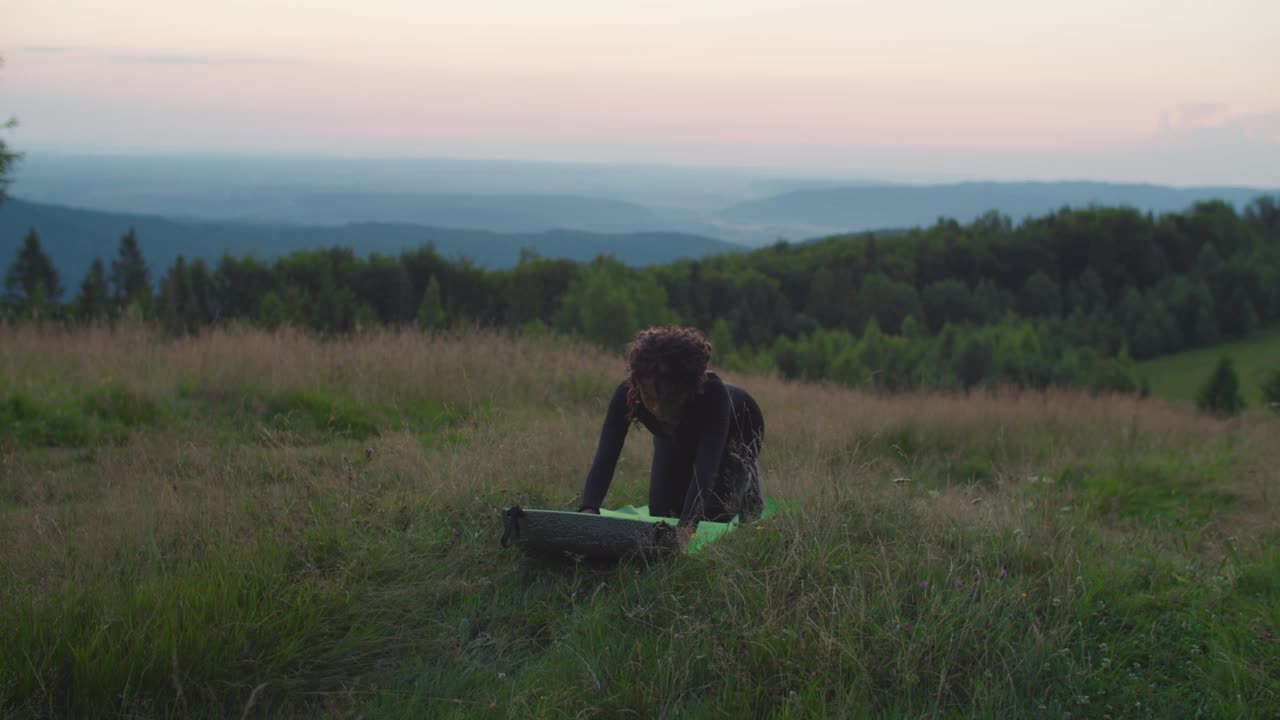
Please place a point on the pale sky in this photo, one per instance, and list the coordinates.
(1161, 90)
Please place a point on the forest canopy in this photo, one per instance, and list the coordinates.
(1070, 298)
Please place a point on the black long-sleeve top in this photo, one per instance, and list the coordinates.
(704, 432)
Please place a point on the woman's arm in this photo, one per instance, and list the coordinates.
(713, 433)
(612, 436)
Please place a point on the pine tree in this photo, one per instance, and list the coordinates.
(182, 307)
(93, 302)
(431, 314)
(174, 290)
(1220, 394)
(130, 276)
(32, 280)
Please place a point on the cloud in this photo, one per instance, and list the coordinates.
(1191, 116)
(1199, 114)
(51, 49)
(187, 59)
(1215, 120)
(1262, 126)
(181, 59)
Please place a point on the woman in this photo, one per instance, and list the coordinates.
(707, 433)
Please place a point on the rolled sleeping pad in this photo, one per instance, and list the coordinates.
(611, 534)
(586, 534)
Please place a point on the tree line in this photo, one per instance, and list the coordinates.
(1071, 298)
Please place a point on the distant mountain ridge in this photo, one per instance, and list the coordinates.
(749, 206)
(73, 237)
(867, 207)
(497, 213)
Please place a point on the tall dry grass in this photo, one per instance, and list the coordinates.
(544, 397)
(901, 497)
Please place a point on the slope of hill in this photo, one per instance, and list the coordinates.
(476, 195)
(275, 525)
(747, 206)
(73, 237)
(1179, 376)
(867, 207)
(498, 213)
(119, 182)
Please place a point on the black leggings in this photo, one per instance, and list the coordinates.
(736, 490)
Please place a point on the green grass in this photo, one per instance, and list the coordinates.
(105, 414)
(1178, 377)
(230, 550)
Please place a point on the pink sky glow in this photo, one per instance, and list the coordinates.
(830, 86)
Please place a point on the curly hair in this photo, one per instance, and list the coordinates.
(674, 356)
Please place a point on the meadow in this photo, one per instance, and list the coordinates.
(1179, 376)
(251, 524)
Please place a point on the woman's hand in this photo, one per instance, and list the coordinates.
(683, 534)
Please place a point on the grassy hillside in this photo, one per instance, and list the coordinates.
(1178, 377)
(263, 525)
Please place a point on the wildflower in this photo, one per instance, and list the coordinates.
(1024, 596)
(924, 585)
(959, 583)
(368, 453)
(502, 676)
(1004, 573)
(905, 626)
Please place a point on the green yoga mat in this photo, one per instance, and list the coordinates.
(612, 533)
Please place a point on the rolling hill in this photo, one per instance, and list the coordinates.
(73, 237)
(868, 207)
(1179, 376)
(748, 206)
